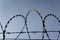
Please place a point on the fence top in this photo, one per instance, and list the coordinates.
(25, 25)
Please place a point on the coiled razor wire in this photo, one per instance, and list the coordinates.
(25, 25)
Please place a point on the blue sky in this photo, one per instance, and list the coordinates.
(9, 8)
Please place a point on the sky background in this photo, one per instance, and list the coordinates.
(9, 8)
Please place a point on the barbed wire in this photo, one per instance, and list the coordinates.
(45, 31)
(56, 18)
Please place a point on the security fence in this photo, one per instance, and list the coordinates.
(45, 31)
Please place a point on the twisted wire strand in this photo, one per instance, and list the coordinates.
(29, 13)
(45, 31)
(25, 25)
(26, 20)
(28, 32)
(55, 17)
(18, 15)
(1, 27)
(19, 32)
(58, 35)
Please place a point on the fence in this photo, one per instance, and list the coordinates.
(25, 25)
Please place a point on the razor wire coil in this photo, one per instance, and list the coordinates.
(45, 31)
